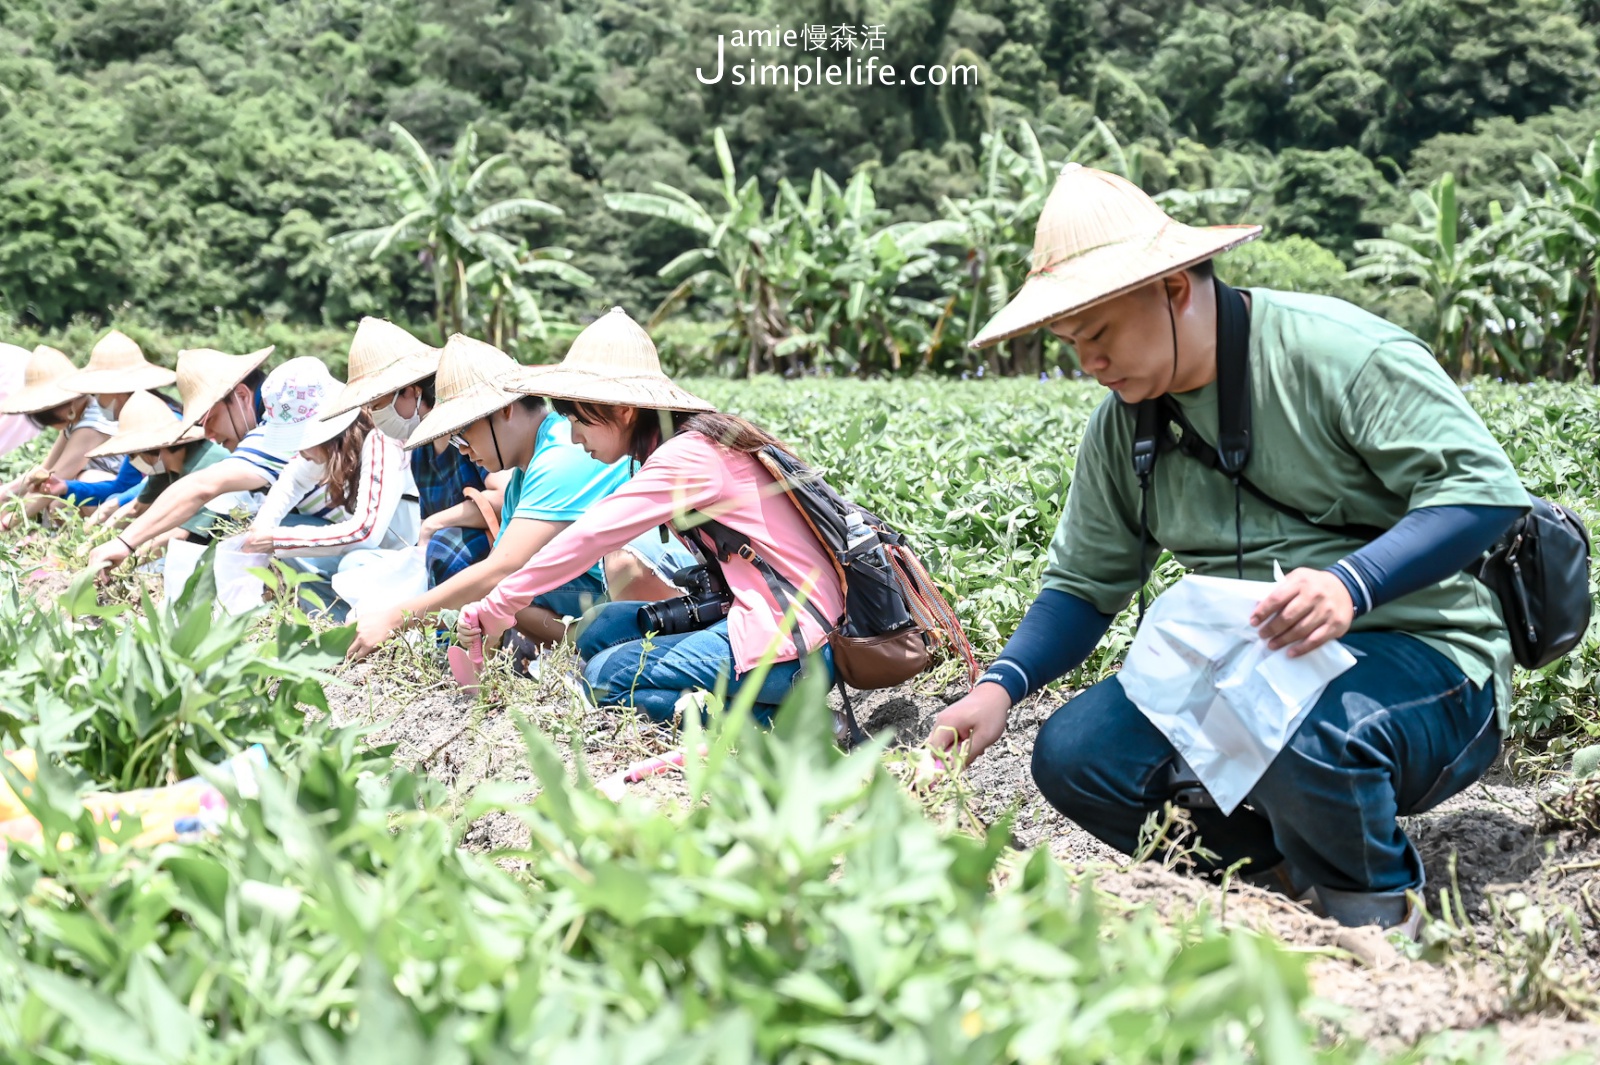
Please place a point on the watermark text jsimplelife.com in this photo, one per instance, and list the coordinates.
(858, 68)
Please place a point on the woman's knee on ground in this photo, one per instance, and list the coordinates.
(613, 678)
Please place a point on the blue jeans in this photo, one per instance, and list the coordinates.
(575, 598)
(1397, 734)
(323, 567)
(621, 671)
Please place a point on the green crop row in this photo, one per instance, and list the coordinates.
(976, 472)
(799, 907)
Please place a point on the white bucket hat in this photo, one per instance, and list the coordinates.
(471, 384)
(116, 364)
(612, 361)
(1098, 237)
(383, 358)
(292, 400)
(146, 423)
(43, 383)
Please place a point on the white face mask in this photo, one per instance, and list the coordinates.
(390, 423)
(149, 468)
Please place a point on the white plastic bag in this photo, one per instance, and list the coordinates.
(238, 589)
(1200, 673)
(372, 580)
(180, 561)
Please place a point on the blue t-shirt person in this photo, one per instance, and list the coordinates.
(561, 481)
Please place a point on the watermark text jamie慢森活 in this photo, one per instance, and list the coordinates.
(849, 60)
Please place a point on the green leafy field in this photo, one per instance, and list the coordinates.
(798, 907)
(977, 472)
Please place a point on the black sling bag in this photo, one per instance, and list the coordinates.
(1539, 569)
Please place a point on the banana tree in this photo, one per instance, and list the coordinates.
(731, 261)
(511, 306)
(849, 276)
(441, 215)
(997, 237)
(1479, 282)
(1570, 212)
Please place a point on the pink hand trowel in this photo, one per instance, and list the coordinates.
(461, 669)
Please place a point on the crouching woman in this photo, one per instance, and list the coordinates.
(363, 473)
(693, 461)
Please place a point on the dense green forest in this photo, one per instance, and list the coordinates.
(510, 167)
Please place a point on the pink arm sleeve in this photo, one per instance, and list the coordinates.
(686, 474)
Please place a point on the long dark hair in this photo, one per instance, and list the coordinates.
(47, 418)
(344, 460)
(651, 428)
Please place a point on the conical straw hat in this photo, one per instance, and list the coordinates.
(117, 365)
(470, 384)
(145, 424)
(612, 361)
(43, 383)
(205, 375)
(1100, 236)
(383, 358)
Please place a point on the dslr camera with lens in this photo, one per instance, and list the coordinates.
(706, 601)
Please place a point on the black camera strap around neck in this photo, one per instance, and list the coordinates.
(1154, 419)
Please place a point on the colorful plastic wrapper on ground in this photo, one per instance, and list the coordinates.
(179, 812)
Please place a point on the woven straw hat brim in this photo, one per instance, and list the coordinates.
(1107, 272)
(207, 395)
(650, 391)
(458, 412)
(321, 430)
(132, 443)
(35, 399)
(392, 378)
(135, 379)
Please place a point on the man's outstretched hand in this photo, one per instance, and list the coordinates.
(972, 723)
(108, 555)
(1303, 611)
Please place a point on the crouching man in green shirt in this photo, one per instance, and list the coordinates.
(1353, 424)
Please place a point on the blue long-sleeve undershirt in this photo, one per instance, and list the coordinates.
(128, 476)
(1055, 636)
(1424, 547)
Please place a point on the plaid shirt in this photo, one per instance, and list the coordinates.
(442, 480)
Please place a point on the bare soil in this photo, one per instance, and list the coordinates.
(1487, 860)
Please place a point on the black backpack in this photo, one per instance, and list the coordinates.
(894, 615)
(1539, 569)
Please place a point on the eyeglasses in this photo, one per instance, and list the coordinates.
(459, 442)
